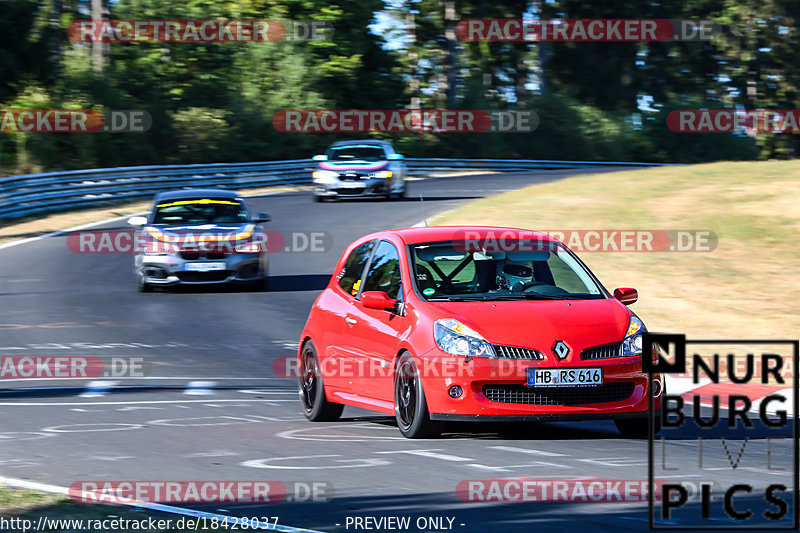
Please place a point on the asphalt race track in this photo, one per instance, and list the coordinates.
(214, 408)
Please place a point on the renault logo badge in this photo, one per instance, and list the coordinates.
(561, 349)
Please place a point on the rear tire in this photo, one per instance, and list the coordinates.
(410, 405)
(637, 427)
(316, 406)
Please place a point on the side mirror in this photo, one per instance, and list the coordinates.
(320, 158)
(137, 221)
(378, 300)
(626, 295)
(395, 157)
(262, 217)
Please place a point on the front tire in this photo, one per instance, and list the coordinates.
(410, 405)
(316, 406)
(141, 284)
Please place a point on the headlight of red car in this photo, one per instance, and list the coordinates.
(632, 343)
(455, 338)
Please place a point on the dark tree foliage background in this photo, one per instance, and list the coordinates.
(214, 102)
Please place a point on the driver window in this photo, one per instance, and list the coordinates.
(384, 271)
(350, 276)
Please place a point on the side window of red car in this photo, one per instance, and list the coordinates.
(384, 271)
(350, 275)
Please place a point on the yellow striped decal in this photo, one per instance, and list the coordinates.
(204, 237)
(203, 201)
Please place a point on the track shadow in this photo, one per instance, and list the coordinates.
(470, 512)
(510, 431)
(299, 282)
(407, 199)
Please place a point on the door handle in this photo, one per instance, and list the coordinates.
(351, 320)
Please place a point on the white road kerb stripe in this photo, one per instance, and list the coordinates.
(54, 489)
(76, 228)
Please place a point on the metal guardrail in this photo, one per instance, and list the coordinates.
(60, 191)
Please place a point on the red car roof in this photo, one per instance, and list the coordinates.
(445, 233)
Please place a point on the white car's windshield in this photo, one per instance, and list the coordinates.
(356, 153)
(442, 272)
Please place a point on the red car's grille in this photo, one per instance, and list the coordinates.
(513, 352)
(605, 351)
(521, 394)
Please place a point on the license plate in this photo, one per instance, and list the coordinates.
(564, 377)
(204, 267)
(351, 184)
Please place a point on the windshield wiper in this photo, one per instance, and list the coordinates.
(539, 296)
(459, 299)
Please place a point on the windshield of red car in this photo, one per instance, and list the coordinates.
(443, 272)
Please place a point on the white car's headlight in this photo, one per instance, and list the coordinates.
(248, 248)
(325, 176)
(381, 174)
(632, 343)
(455, 338)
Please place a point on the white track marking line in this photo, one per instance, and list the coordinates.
(525, 450)
(59, 232)
(54, 489)
(98, 223)
(433, 454)
(134, 402)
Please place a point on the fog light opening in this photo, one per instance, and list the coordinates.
(455, 391)
(656, 388)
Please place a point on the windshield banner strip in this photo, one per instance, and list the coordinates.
(203, 202)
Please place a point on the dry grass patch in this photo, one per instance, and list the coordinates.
(746, 287)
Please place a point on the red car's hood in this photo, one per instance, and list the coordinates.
(539, 324)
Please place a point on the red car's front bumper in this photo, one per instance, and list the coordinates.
(495, 389)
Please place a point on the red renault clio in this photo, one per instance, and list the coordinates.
(441, 324)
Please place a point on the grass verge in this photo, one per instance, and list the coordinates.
(746, 287)
(60, 515)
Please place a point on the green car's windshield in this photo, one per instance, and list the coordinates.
(442, 272)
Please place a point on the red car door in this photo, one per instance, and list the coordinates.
(372, 335)
(334, 328)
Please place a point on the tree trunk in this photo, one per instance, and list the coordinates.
(100, 51)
